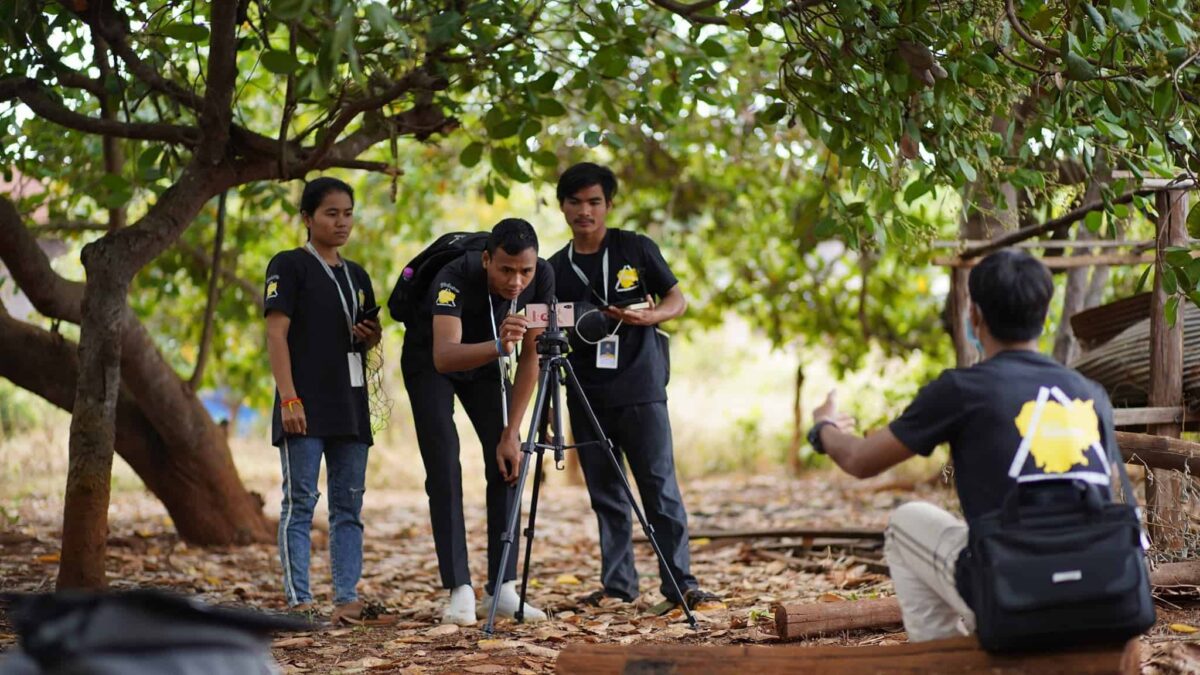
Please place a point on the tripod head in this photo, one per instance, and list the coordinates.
(553, 341)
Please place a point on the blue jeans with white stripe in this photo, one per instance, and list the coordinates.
(346, 466)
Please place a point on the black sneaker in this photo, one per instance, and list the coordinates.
(698, 600)
(596, 598)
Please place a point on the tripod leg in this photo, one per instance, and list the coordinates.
(514, 515)
(537, 483)
(573, 384)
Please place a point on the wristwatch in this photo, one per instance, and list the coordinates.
(814, 435)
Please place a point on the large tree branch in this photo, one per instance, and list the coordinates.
(217, 113)
(29, 92)
(51, 294)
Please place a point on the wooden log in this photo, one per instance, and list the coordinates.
(1160, 452)
(796, 621)
(1136, 244)
(959, 655)
(800, 620)
(1136, 417)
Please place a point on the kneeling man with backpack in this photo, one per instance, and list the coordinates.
(1045, 558)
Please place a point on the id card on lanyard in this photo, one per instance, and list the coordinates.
(349, 310)
(608, 349)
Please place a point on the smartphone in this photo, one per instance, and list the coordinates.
(538, 315)
(369, 314)
(632, 303)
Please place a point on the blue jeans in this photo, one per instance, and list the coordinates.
(346, 465)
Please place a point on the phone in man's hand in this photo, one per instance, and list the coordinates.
(537, 315)
(369, 314)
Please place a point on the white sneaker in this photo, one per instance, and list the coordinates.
(507, 607)
(461, 609)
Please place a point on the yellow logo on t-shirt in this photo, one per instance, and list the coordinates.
(627, 278)
(272, 289)
(1063, 433)
(446, 297)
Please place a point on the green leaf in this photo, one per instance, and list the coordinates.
(280, 62)
(185, 32)
(549, 107)
(915, 190)
(1172, 310)
(592, 138)
(544, 84)
(1170, 283)
(1178, 256)
(444, 27)
(967, 170)
(713, 48)
(1094, 220)
(471, 154)
(1078, 68)
(505, 129)
(505, 162)
(1097, 20)
(984, 63)
(774, 112)
(1126, 22)
(755, 39)
(546, 158)
(289, 10)
(1141, 284)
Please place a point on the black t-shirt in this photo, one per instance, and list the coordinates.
(460, 289)
(636, 268)
(319, 340)
(986, 410)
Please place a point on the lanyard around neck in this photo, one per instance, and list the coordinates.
(341, 296)
(587, 283)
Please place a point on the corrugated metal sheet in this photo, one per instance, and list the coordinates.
(1122, 364)
(1100, 324)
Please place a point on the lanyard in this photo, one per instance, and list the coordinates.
(503, 360)
(588, 282)
(341, 296)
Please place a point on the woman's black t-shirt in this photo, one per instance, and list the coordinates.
(319, 341)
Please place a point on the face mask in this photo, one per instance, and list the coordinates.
(970, 333)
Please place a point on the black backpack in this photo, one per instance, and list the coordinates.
(419, 273)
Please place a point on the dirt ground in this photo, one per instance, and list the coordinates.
(400, 573)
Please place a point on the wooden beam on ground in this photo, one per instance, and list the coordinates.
(796, 621)
(1160, 452)
(793, 532)
(1164, 495)
(800, 620)
(1061, 262)
(959, 655)
(1136, 417)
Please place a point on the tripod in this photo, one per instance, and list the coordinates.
(553, 371)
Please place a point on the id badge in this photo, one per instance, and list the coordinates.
(356, 369)
(607, 352)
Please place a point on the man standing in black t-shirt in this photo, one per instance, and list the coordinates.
(623, 368)
(1015, 417)
(474, 308)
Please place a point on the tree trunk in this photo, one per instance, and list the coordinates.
(187, 462)
(1075, 295)
(47, 364)
(798, 438)
(93, 424)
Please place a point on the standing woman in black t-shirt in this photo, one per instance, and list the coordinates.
(317, 339)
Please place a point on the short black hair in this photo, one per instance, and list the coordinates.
(316, 189)
(1012, 290)
(584, 175)
(514, 235)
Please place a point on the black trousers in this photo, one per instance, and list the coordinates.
(641, 434)
(432, 397)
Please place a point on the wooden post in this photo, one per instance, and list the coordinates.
(960, 313)
(1166, 518)
(798, 427)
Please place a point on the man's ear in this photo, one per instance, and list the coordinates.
(486, 259)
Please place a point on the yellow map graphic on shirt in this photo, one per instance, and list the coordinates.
(627, 277)
(272, 289)
(1062, 435)
(446, 297)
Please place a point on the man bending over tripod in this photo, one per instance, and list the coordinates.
(624, 375)
(474, 326)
